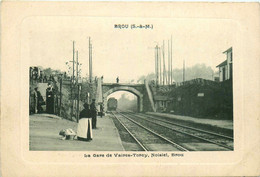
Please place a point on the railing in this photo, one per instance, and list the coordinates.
(122, 84)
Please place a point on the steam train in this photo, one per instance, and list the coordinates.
(111, 104)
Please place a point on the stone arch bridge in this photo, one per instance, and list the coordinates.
(138, 90)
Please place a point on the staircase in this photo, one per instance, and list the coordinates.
(150, 95)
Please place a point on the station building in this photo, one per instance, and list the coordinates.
(225, 68)
(161, 103)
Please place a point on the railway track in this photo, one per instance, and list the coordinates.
(210, 129)
(147, 139)
(206, 136)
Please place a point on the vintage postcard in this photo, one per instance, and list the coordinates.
(130, 89)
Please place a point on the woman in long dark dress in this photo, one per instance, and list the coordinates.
(84, 131)
(49, 100)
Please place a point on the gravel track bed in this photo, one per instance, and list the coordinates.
(210, 137)
(179, 138)
(205, 127)
(128, 142)
(150, 141)
(170, 134)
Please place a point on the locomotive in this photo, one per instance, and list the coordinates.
(111, 104)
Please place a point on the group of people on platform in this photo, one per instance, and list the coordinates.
(37, 101)
(87, 122)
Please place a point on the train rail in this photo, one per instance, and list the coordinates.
(144, 138)
(192, 128)
(206, 136)
(136, 140)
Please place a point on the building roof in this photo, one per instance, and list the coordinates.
(222, 64)
(228, 50)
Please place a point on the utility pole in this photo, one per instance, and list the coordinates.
(164, 69)
(160, 67)
(72, 83)
(60, 93)
(155, 71)
(163, 80)
(157, 65)
(171, 61)
(77, 84)
(77, 67)
(169, 67)
(90, 61)
(78, 103)
(183, 70)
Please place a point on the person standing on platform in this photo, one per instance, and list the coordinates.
(93, 111)
(84, 131)
(117, 80)
(49, 100)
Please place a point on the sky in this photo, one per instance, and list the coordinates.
(127, 53)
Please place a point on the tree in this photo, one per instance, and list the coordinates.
(196, 71)
(148, 77)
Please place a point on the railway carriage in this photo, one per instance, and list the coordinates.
(112, 104)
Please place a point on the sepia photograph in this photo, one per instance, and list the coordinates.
(141, 85)
(130, 89)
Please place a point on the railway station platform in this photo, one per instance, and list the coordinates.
(45, 128)
(224, 124)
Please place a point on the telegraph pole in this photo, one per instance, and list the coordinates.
(157, 65)
(90, 61)
(73, 63)
(77, 69)
(155, 59)
(78, 103)
(160, 67)
(183, 70)
(77, 83)
(164, 68)
(169, 67)
(163, 62)
(171, 60)
(60, 93)
(72, 82)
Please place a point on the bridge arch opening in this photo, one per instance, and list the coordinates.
(132, 90)
(125, 101)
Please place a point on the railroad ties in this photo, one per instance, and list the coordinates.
(155, 134)
(146, 138)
